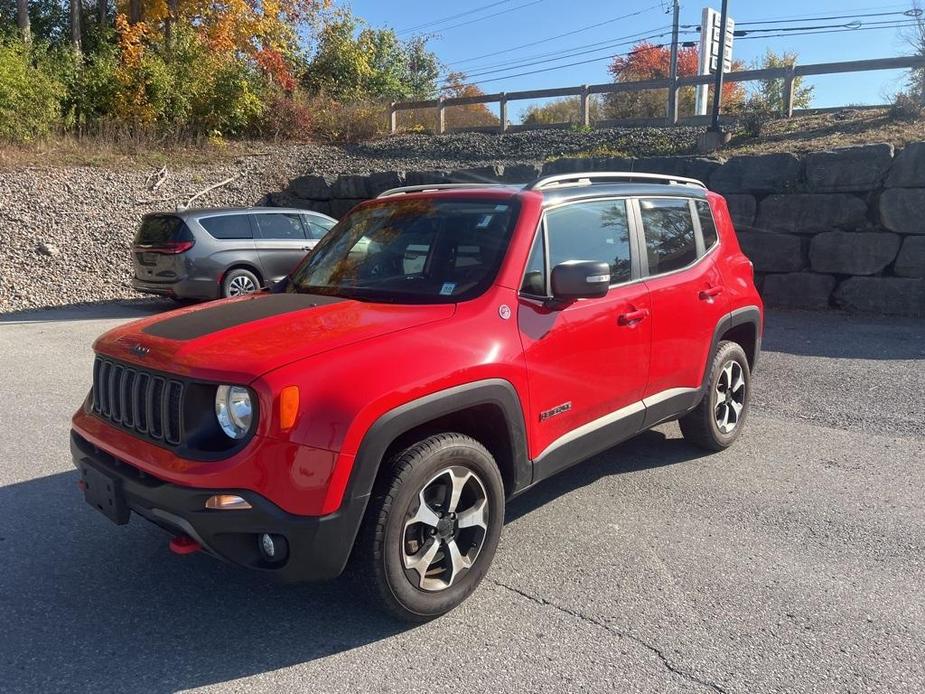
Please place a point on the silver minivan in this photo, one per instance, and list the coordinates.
(213, 253)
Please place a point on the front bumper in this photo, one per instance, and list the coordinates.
(318, 546)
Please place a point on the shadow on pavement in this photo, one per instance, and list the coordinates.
(844, 336)
(89, 605)
(125, 308)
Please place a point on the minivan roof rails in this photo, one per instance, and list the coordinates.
(590, 177)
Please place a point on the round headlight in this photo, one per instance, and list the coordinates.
(233, 410)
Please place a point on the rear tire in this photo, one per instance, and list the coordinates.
(239, 282)
(718, 419)
(432, 526)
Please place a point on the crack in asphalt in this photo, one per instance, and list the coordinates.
(622, 634)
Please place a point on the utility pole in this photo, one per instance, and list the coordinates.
(673, 70)
(718, 83)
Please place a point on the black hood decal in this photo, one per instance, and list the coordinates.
(226, 315)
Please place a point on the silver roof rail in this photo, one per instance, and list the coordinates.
(589, 177)
(437, 186)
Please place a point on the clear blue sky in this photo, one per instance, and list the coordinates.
(472, 33)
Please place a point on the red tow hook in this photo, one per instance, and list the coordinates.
(184, 544)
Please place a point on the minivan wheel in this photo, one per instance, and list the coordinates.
(238, 282)
(432, 526)
(719, 418)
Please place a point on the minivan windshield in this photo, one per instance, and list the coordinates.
(423, 250)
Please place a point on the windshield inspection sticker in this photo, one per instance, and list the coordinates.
(447, 288)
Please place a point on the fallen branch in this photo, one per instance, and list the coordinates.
(161, 177)
(158, 175)
(206, 190)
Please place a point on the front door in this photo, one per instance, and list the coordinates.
(281, 242)
(588, 360)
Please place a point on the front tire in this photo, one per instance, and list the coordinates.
(239, 282)
(720, 417)
(433, 526)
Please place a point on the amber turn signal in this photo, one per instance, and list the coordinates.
(288, 407)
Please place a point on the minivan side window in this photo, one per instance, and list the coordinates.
(669, 230)
(317, 227)
(594, 230)
(228, 226)
(707, 225)
(280, 226)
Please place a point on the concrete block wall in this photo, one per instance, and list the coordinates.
(838, 229)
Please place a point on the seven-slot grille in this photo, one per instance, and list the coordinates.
(138, 400)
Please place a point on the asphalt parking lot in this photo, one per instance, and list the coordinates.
(794, 562)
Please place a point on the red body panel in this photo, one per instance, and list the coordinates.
(355, 361)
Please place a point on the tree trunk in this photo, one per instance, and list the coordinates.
(172, 6)
(102, 7)
(75, 25)
(134, 11)
(22, 20)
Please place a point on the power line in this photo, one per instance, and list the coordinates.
(452, 17)
(621, 41)
(892, 25)
(489, 16)
(556, 36)
(908, 13)
(572, 51)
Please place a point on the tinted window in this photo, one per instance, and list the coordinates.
(535, 275)
(591, 231)
(707, 225)
(158, 229)
(669, 231)
(412, 251)
(280, 225)
(228, 226)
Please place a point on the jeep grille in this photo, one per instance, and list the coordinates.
(137, 400)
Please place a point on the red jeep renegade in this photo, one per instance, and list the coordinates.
(441, 350)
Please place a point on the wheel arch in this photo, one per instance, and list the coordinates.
(743, 326)
(488, 411)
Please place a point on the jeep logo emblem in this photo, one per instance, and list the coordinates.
(140, 350)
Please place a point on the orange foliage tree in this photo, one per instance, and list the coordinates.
(648, 61)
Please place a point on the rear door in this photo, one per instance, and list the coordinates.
(587, 360)
(686, 290)
(281, 242)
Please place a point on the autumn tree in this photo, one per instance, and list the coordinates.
(455, 86)
(648, 61)
(564, 110)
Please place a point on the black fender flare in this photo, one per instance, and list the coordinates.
(392, 424)
(746, 315)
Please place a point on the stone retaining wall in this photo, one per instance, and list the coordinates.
(843, 228)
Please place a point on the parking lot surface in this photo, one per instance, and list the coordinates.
(793, 562)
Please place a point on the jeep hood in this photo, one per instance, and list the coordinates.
(237, 340)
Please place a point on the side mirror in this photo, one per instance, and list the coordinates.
(580, 279)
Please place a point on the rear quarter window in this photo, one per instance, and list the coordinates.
(228, 226)
(707, 225)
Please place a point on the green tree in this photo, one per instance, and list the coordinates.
(769, 94)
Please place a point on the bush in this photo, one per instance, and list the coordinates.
(347, 122)
(287, 118)
(758, 115)
(906, 108)
(29, 96)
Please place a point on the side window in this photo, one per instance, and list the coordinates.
(228, 226)
(669, 231)
(596, 230)
(707, 225)
(280, 226)
(535, 275)
(317, 227)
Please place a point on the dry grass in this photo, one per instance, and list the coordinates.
(828, 130)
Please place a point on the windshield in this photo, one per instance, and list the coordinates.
(411, 251)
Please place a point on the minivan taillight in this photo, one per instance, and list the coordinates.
(168, 248)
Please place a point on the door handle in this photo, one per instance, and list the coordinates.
(306, 248)
(633, 317)
(708, 294)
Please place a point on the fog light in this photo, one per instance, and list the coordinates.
(227, 502)
(273, 547)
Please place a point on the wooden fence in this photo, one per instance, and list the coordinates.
(585, 91)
